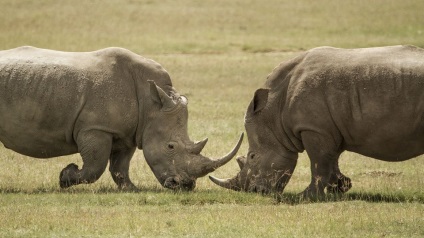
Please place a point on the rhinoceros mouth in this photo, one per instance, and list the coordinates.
(261, 189)
(176, 184)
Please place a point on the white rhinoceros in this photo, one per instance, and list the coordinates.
(325, 101)
(102, 104)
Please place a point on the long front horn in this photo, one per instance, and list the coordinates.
(220, 162)
(230, 183)
(204, 165)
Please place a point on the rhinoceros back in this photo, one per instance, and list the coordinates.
(41, 94)
(371, 99)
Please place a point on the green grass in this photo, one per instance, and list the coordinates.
(163, 214)
(217, 53)
(219, 26)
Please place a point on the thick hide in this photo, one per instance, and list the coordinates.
(328, 100)
(103, 105)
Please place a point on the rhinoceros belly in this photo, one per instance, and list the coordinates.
(390, 149)
(38, 107)
(37, 148)
(35, 134)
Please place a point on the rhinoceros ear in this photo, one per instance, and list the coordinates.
(259, 100)
(160, 97)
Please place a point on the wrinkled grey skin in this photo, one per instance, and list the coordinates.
(325, 101)
(102, 104)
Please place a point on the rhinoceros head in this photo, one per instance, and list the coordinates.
(268, 166)
(175, 159)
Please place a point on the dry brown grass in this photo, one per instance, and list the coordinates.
(218, 53)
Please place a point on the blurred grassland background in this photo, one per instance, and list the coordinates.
(217, 53)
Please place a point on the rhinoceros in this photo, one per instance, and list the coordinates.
(102, 104)
(328, 100)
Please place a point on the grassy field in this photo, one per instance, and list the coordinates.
(217, 53)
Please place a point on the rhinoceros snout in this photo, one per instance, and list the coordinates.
(261, 189)
(176, 184)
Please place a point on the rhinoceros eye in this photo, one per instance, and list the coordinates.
(171, 146)
(252, 155)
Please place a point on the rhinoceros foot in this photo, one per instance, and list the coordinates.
(339, 184)
(128, 187)
(312, 194)
(67, 176)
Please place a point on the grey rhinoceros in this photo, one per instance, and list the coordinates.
(328, 100)
(102, 104)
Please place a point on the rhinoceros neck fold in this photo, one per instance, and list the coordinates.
(140, 124)
(285, 137)
(274, 119)
(141, 100)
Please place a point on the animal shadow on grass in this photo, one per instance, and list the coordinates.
(296, 199)
(81, 190)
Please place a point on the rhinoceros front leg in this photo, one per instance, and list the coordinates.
(323, 154)
(95, 148)
(119, 167)
(338, 183)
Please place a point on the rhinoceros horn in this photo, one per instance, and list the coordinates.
(241, 161)
(230, 183)
(198, 147)
(204, 165)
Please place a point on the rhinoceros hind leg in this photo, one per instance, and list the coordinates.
(95, 148)
(119, 168)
